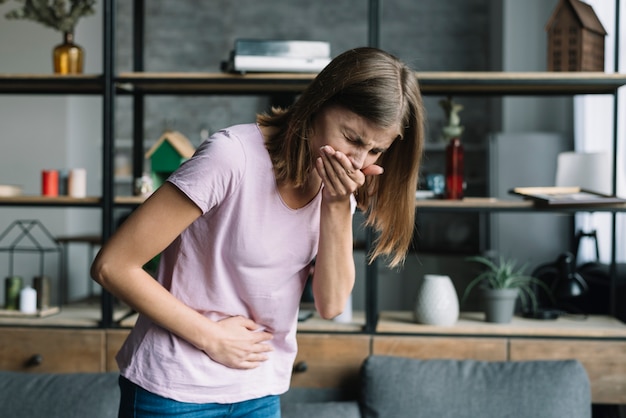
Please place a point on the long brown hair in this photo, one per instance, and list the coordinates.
(380, 88)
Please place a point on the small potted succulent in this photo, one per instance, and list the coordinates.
(501, 283)
(62, 16)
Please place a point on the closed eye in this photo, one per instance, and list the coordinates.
(359, 141)
(354, 139)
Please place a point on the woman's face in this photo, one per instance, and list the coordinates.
(361, 140)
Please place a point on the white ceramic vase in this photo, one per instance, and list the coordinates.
(437, 302)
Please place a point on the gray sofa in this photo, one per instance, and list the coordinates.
(390, 387)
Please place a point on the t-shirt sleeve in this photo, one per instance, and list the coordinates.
(213, 172)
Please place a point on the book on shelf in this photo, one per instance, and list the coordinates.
(258, 55)
(565, 196)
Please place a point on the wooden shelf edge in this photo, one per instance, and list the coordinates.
(495, 204)
(473, 324)
(83, 314)
(479, 82)
(129, 200)
(439, 76)
(466, 204)
(431, 82)
(474, 202)
(28, 200)
(52, 83)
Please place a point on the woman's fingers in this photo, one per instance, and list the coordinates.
(337, 172)
(373, 170)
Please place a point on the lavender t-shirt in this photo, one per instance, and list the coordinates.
(248, 254)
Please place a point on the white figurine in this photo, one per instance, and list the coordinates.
(453, 129)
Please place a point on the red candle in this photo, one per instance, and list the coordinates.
(50, 183)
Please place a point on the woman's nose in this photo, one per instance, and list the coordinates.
(358, 159)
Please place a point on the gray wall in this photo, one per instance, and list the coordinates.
(49, 132)
(451, 35)
(533, 125)
(429, 35)
(523, 25)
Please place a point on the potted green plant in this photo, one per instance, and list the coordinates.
(501, 283)
(62, 16)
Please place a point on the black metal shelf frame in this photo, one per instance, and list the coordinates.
(450, 85)
(139, 84)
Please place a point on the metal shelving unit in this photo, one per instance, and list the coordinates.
(138, 84)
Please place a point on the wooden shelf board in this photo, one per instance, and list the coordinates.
(474, 202)
(466, 204)
(86, 314)
(40, 313)
(495, 204)
(431, 82)
(473, 323)
(442, 83)
(129, 200)
(51, 83)
(520, 83)
(27, 200)
(216, 83)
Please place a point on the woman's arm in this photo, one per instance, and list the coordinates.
(118, 267)
(334, 275)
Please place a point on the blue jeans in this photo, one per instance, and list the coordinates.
(137, 402)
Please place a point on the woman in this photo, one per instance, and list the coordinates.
(237, 227)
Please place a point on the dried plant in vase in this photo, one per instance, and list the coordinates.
(62, 16)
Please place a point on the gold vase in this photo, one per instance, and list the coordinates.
(68, 57)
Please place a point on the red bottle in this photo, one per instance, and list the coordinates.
(455, 179)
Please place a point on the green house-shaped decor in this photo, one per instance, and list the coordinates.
(167, 154)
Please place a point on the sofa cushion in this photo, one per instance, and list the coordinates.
(72, 395)
(304, 402)
(331, 409)
(400, 387)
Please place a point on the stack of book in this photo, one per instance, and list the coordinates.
(253, 55)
